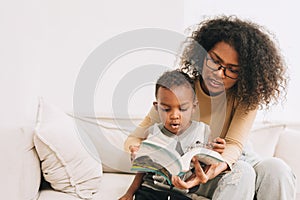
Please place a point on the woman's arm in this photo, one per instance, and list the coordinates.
(218, 145)
(233, 123)
(140, 133)
(237, 134)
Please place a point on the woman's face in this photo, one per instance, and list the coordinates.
(214, 80)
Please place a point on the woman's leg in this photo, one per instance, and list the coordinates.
(237, 184)
(275, 180)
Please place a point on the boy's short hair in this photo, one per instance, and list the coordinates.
(174, 78)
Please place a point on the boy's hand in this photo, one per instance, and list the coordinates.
(126, 197)
(133, 149)
(218, 145)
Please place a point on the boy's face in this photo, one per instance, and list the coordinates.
(175, 107)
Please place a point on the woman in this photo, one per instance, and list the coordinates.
(239, 70)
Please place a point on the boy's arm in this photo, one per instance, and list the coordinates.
(133, 187)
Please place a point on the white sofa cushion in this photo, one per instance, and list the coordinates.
(66, 163)
(112, 186)
(110, 190)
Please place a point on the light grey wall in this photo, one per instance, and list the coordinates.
(45, 43)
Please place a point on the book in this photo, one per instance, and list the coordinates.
(156, 157)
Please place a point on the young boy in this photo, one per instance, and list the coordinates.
(175, 103)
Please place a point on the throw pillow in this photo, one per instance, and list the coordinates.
(66, 163)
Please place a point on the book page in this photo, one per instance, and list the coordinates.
(204, 155)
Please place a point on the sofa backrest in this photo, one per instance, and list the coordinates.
(280, 140)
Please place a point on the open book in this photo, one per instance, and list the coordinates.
(155, 157)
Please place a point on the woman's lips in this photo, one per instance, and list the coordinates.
(214, 83)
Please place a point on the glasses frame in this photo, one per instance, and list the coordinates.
(220, 67)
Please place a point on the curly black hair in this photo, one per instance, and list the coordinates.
(262, 77)
(174, 78)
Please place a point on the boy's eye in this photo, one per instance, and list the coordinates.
(169, 109)
(183, 109)
(165, 109)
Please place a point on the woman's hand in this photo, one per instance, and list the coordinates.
(218, 145)
(200, 176)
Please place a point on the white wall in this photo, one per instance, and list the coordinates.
(281, 18)
(45, 43)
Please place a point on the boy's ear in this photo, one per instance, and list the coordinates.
(195, 104)
(155, 105)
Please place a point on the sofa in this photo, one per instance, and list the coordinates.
(68, 156)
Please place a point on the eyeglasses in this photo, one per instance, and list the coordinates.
(216, 66)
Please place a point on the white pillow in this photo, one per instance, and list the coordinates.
(108, 139)
(66, 164)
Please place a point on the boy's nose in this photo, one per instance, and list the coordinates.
(175, 115)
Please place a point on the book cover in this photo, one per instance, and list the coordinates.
(155, 157)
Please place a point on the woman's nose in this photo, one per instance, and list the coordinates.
(220, 72)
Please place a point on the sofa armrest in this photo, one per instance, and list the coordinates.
(278, 140)
(286, 149)
(20, 167)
